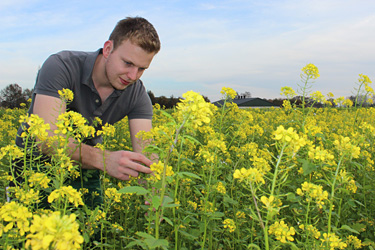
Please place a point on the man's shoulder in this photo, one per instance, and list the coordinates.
(74, 55)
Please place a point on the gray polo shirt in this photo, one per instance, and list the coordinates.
(73, 70)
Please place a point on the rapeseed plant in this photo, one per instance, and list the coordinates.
(227, 178)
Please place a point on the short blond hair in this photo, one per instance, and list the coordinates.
(139, 31)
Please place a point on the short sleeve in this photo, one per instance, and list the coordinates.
(52, 76)
(143, 106)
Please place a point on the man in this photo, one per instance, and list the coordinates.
(106, 84)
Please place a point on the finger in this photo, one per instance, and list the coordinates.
(135, 166)
(124, 177)
(129, 172)
(140, 158)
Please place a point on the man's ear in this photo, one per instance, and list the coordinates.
(107, 48)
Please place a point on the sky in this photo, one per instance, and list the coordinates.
(256, 46)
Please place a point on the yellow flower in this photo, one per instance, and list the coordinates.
(364, 79)
(193, 204)
(287, 105)
(240, 215)
(221, 188)
(39, 179)
(353, 240)
(271, 202)
(289, 137)
(282, 231)
(12, 215)
(320, 154)
(311, 229)
(229, 223)
(13, 151)
(71, 194)
(54, 232)
(288, 92)
(318, 96)
(25, 196)
(73, 124)
(37, 128)
(107, 130)
(313, 192)
(339, 100)
(66, 95)
(344, 146)
(157, 170)
(347, 103)
(251, 174)
(194, 110)
(311, 71)
(332, 241)
(112, 194)
(228, 93)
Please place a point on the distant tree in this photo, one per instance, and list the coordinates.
(152, 97)
(246, 94)
(172, 101)
(12, 96)
(206, 98)
(277, 101)
(162, 101)
(360, 99)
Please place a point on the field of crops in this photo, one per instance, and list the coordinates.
(227, 178)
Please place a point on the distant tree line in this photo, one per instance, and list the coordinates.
(310, 103)
(166, 102)
(13, 95)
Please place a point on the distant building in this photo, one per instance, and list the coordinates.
(249, 103)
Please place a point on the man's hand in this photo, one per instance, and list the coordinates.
(123, 164)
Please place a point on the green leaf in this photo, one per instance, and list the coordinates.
(152, 149)
(154, 243)
(230, 200)
(133, 190)
(156, 202)
(291, 197)
(293, 246)
(188, 235)
(217, 215)
(188, 174)
(145, 235)
(171, 205)
(346, 227)
(252, 245)
(307, 167)
(168, 221)
(192, 139)
(359, 227)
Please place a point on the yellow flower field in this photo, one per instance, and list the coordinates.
(227, 178)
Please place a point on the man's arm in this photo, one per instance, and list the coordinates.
(119, 164)
(136, 125)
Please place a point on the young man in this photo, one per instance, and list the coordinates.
(106, 84)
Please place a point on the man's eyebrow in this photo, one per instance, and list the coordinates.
(130, 62)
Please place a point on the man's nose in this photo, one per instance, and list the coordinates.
(132, 73)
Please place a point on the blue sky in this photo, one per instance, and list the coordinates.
(255, 45)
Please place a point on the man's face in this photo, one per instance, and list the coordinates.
(126, 64)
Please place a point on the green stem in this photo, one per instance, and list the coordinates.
(175, 195)
(333, 194)
(263, 226)
(159, 211)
